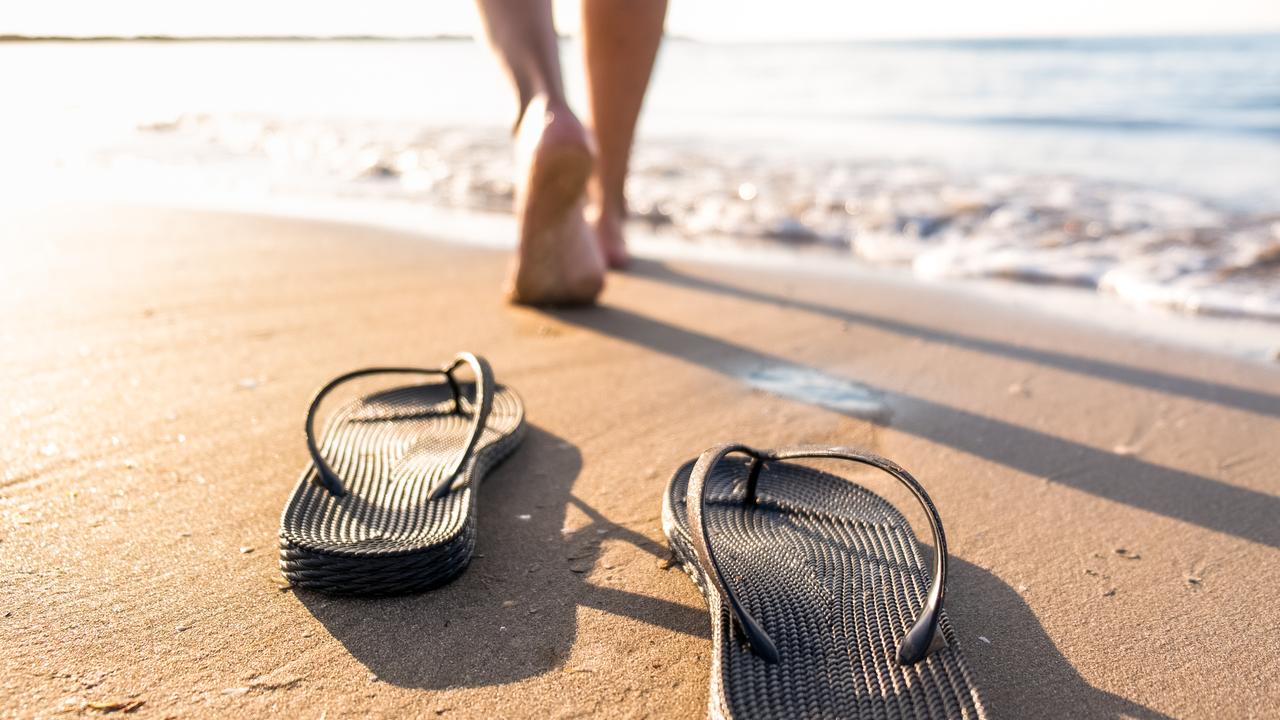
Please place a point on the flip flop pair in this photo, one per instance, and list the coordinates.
(821, 604)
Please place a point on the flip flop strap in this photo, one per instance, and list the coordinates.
(480, 407)
(920, 640)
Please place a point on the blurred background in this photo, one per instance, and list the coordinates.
(1131, 149)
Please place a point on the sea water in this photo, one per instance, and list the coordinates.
(1147, 169)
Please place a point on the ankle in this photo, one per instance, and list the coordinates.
(606, 204)
(540, 101)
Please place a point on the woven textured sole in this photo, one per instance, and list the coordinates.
(833, 573)
(385, 536)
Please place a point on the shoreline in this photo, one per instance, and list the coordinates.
(1248, 338)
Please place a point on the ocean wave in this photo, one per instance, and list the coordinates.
(1141, 245)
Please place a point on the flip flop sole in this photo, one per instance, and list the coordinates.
(385, 535)
(834, 574)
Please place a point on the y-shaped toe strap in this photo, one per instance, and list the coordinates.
(480, 407)
(920, 638)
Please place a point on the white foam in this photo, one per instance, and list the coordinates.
(1139, 245)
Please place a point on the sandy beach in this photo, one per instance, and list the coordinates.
(1110, 504)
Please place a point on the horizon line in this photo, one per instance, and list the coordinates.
(456, 37)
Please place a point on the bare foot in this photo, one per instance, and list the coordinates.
(607, 219)
(558, 261)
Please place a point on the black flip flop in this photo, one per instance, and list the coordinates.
(388, 504)
(820, 602)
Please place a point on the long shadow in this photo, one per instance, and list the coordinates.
(468, 634)
(1019, 671)
(513, 613)
(1262, 403)
(1184, 496)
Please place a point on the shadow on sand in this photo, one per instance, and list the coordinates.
(1021, 673)
(513, 614)
(1262, 403)
(1185, 496)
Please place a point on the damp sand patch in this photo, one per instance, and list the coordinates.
(816, 387)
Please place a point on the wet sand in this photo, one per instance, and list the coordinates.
(1110, 504)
